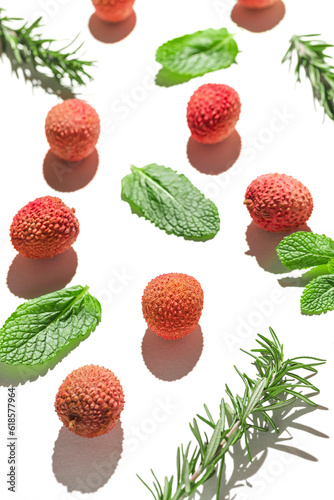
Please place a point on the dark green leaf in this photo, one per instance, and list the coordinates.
(41, 328)
(171, 202)
(303, 249)
(318, 295)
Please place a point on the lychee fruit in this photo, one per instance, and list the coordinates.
(172, 305)
(113, 11)
(212, 113)
(256, 4)
(44, 228)
(90, 400)
(72, 129)
(278, 202)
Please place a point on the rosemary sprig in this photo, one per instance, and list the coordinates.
(28, 51)
(311, 56)
(277, 385)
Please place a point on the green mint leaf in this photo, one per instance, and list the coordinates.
(166, 78)
(199, 53)
(330, 266)
(40, 328)
(171, 202)
(318, 295)
(302, 250)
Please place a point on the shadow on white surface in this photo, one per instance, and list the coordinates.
(262, 245)
(30, 278)
(214, 159)
(258, 20)
(172, 359)
(111, 32)
(260, 443)
(84, 464)
(304, 279)
(66, 176)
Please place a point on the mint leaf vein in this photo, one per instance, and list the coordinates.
(40, 328)
(171, 202)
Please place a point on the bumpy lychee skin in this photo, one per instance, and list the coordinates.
(72, 129)
(90, 400)
(113, 11)
(278, 202)
(172, 305)
(44, 228)
(212, 113)
(256, 4)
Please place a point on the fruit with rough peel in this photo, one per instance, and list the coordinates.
(90, 400)
(278, 202)
(44, 228)
(172, 305)
(212, 113)
(113, 11)
(72, 129)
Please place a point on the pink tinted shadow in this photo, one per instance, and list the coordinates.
(258, 20)
(106, 32)
(86, 464)
(30, 278)
(66, 176)
(172, 359)
(214, 159)
(262, 245)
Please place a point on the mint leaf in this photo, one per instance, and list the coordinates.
(198, 53)
(40, 328)
(318, 295)
(171, 202)
(166, 78)
(330, 266)
(302, 250)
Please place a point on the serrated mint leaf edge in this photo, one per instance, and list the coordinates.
(160, 58)
(294, 266)
(137, 210)
(308, 288)
(84, 293)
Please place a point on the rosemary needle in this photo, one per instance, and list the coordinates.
(312, 58)
(36, 56)
(278, 384)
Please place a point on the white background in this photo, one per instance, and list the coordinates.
(242, 294)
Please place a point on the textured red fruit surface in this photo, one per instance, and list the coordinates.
(278, 202)
(90, 400)
(72, 129)
(212, 113)
(113, 11)
(256, 4)
(44, 228)
(172, 305)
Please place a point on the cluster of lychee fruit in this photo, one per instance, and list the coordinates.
(90, 400)
(276, 202)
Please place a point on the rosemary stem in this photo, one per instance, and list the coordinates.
(222, 444)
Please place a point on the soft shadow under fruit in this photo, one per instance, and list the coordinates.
(258, 20)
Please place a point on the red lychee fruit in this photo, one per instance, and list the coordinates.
(72, 129)
(90, 400)
(212, 113)
(278, 202)
(172, 305)
(256, 4)
(113, 11)
(44, 228)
